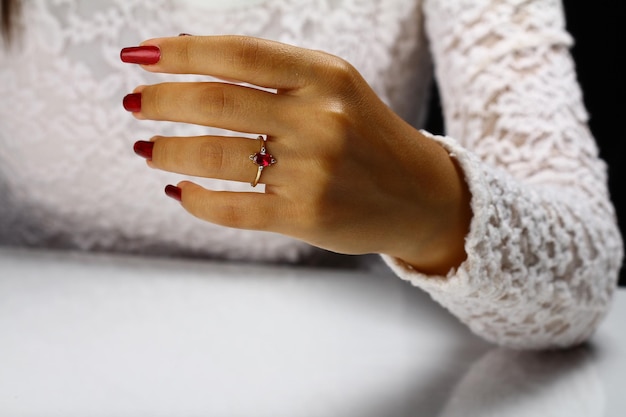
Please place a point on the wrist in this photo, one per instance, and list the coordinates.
(436, 242)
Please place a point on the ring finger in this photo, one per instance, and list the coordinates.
(219, 157)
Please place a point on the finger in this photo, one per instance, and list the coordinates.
(226, 158)
(241, 210)
(221, 105)
(256, 61)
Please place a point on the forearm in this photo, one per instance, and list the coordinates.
(541, 264)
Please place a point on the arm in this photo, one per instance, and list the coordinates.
(543, 249)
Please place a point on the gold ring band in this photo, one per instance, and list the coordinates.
(258, 177)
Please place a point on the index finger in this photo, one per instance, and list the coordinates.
(256, 61)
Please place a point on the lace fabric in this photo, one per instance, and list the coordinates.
(67, 171)
(543, 249)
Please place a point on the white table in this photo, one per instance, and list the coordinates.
(92, 335)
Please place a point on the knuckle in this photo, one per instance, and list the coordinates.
(156, 104)
(233, 215)
(218, 100)
(189, 54)
(338, 73)
(185, 54)
(338, 117)
(167, 155)
(228, 215)
(248, 53)
(335, 129)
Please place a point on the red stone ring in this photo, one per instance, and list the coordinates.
(262, 159)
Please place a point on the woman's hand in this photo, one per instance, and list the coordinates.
(350, 176)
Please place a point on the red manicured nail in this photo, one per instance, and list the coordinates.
(174, 192)
(145, 55)
(132, 102)
(144, 149)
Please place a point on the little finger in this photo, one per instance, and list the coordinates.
(241, 210)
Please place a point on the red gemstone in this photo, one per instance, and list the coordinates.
(263, 160)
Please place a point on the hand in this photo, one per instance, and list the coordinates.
(351, 176)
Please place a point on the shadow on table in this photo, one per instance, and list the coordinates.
(504, 383)
(507, 383)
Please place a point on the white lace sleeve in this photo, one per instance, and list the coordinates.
(544, 249)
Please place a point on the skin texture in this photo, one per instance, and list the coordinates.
(351, 177)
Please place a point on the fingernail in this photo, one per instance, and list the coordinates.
(174, 192)
(145, 55)
(144, 149)
(132, 102)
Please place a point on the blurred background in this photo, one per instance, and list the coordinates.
(599, 41)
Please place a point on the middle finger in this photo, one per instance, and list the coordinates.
(221, 105)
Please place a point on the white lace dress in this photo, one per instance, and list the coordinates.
(543, 249)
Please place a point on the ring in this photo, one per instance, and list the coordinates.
(262, 159)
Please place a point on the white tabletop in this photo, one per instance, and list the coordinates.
(92, 335)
